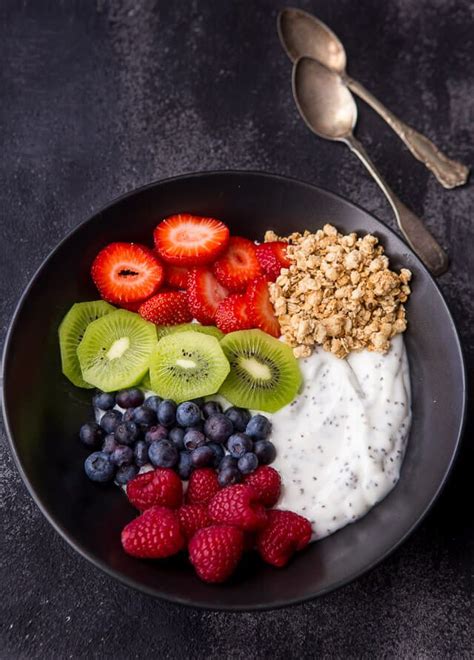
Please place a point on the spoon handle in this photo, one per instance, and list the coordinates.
(413, 229)
(450, 173)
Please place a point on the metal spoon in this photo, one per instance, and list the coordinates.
(329, 110)
(301, 34)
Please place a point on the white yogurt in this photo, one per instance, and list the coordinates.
(340, 444)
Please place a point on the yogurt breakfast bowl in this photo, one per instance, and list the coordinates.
(43, 437)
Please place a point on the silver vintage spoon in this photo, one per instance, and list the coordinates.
(329, 110)
(301, 34)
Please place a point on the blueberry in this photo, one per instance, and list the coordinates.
(193, 438)
(91, 434)
(259, 427)
(122, 455)
(155, 433)
(167, 413)
(110, 420)
(145, 417)
(126, 473)
(229, 476)
(211, 408)
(218, 428)
(227, 461)
(247, 463)
(153, 402)
(130, 398)
(199, 401)
(163, 454)
(140, 453)
(185, 465)
(127, 433)
(128, 415)
(239, 417)
(110, 443)
(202, 456)
(218, 451)
(265, 451)
(188, 414)
(176, 436)
(238, 444)
(104, 400)
(99, 467)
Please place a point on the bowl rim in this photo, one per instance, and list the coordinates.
(132, 584)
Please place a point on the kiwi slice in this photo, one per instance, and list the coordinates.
(71, 332)
(264, 374)
(163, 330)
(146, 382)
(115, 350)
(187, 365)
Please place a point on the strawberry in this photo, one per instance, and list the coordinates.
(191, 518)
(190, 240)
(204, 295)
(238, 265)
(202, 486)
(161, 486)
(231, 314)
(238, 505)
(153, 535)
(168, 308)
(131, 306)
(176, 276)
(267, 483)
(260, 308)
(126, 273)
(216, 551)
(285, 533)
(272, 258)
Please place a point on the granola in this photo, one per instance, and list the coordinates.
(338, 292)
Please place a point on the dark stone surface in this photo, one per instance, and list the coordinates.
(99, 98)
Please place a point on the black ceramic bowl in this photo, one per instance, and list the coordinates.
(43, 411)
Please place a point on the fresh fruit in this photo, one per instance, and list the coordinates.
(167, 413)
(218, 427)
(143, 416)
(232, 314)
(229, 476)
(202, 457)
(156, 487)
(115, 350)
(185, 465)
(191, 518)
(204, 295)
(264, 373)
(145, 382)
(163, 330)
(218, 452)
(163, 454)
(216, 551)
(258, 427)
(153, 402)
(267, 483)
(127, 433)
(103, 400)
(202, 486)
(188, 414)
(272, 258)
(126, 473)
(98, 467)
(168, 308)
(265, 451)
(91, 434)
(122, 455)
(176, 276)
(156, 433)
(227, 461)
(238, 505)
(238, 265)
(184, 367)
(130, 398)
(260, 309)
(126, 273)
(110, 420)
(239, 417)
(238, 444)
(193, 438)
(176, 435)
(211, 408)
(155, 534)
(285, 533)
(247, 463)
(140, 453)
(190, 240)
(109, 444)
(71, 331)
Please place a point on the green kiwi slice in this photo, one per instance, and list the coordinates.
(71, 332)
(187, 365)
(115, 350)
(264, 374)
(163, 330)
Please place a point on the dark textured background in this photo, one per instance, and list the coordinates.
(97, 98)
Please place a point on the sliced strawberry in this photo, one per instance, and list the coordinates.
(132, 306)
(204, 295)
(168, 308)
(126, 273)
(177, 276)
(232, 314)
(190, 240)
(238, 265)
(260, 308)
(272, 258)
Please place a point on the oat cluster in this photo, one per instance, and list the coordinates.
(338, 292)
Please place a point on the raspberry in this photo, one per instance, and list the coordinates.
(157, 487)
(191, 518)
(238, 505)
(202, 486)
(216, 551)
(285, 533)
(267, 483)
(153, 535)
